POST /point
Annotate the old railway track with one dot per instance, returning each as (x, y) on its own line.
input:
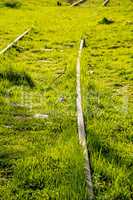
(80, 119)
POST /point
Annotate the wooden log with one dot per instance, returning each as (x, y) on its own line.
(81, 126)
(106, 2)
(14, 41)
(77, 3)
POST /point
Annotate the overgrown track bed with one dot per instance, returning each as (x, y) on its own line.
(40, 157)
(40, 154)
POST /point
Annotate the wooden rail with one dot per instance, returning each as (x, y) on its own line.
(81, 126)
(14, 41)
(106, 2)
(77, 3)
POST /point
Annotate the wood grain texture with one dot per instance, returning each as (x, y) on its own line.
(81, 127)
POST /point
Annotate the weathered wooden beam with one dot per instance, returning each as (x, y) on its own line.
(77, 3)
(14, 41)
(106, 2)
(81, 126)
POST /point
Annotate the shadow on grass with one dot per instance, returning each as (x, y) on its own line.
(104, 149)
(11, 3)
(17, 78)
(7, 164)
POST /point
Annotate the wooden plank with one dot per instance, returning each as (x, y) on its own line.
(106, 2)
(81, 126)
(77, 3)
(14, 41)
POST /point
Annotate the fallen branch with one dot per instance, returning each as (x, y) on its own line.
(15, 41)
(81, 126)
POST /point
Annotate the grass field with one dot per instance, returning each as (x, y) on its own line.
(40, 158)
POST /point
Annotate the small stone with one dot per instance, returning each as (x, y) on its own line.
(61, 99)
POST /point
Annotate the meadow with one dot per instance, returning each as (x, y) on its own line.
(40, 157)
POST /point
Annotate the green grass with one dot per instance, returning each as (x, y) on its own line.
(107, 77)
(41, 158)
